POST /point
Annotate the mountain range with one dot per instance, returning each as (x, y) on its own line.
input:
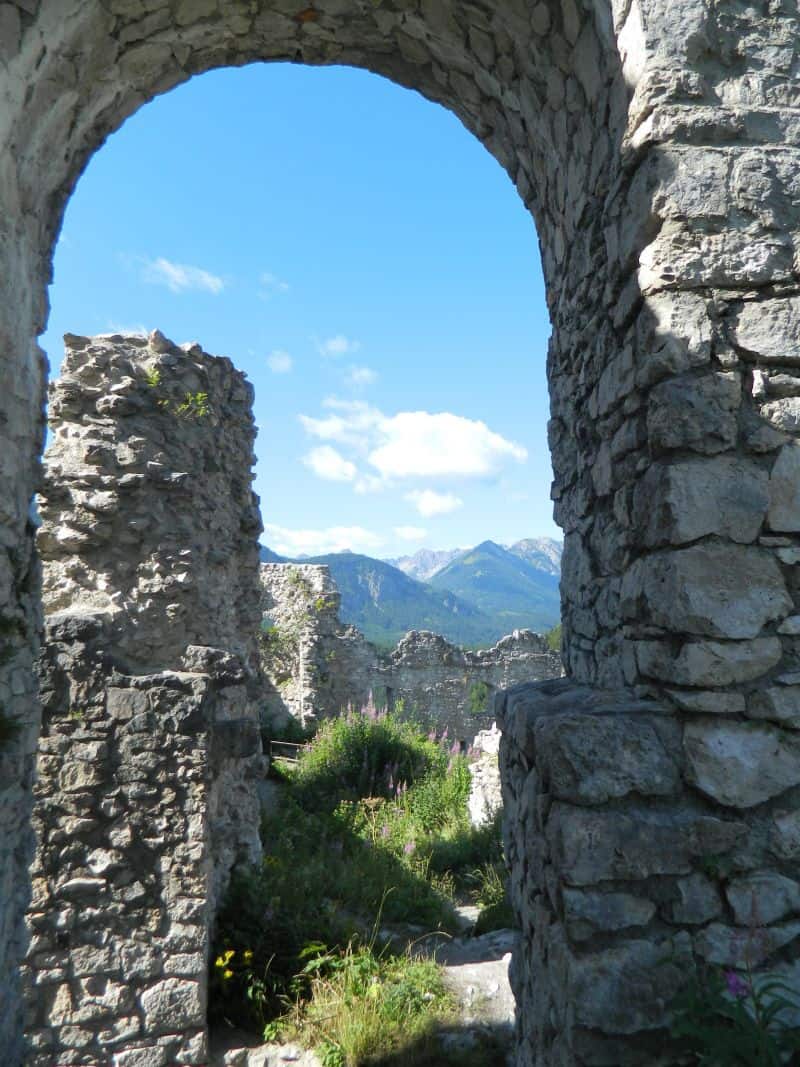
(470, 596)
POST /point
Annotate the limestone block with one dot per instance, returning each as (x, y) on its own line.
(714, 663)
(770, 329)
(784, 490)
(172, 1004)
(783, 414)
(695, 413)
(785, 835)
(589, 846)
(698, 901)
(781, 704)
(741, 764)
(708, 701)
(152, 1056)
(763, 897)
(728, 946)
(589, 759)
(588, 912)
(683, 501)
(700, 590)
(626, 988)
(673, 335)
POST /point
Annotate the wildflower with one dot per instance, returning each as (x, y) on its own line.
(736, 985)
(227, 973)
(384, 830)
(225, 958)
(248, 955)
(409, 847)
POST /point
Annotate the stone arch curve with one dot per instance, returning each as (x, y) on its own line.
(658, 155)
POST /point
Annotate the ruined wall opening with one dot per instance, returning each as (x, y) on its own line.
(660, 164)
(124, 376)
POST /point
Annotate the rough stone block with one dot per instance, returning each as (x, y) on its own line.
(675, 503)
(588, 759)
(697, 903)
(589, 846)
(770, 329)
(695, 413)
(709, 663)
(784, 490)
(699, 590)
(781, 704)
(741, 764)
(762, 898)
(173, 1004)
(587, 912)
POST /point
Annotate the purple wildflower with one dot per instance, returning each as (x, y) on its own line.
(384, 830)
(409, 847)
(736, 985)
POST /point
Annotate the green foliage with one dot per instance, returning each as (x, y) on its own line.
(193, 406)
(291, 730)
(553, 638)
(364, 1006)
(477, 697)
(730, 1019)
(373, 822)
(364, 755)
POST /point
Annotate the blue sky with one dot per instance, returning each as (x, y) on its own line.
(371, 268)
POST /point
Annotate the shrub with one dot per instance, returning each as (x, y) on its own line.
(365, 754)
(364, 1006)
(553, 638)
(477, 697)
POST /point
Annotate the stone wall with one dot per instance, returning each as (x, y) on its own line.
(314, 664)
(656, 145)
(641, 846)
(318, 666)
(150, 747)
(454, 688)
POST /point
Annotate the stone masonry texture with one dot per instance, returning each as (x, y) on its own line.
(656, 144)
(317, 666)
(150, 749)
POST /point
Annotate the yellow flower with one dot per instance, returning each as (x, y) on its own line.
(228, 973)
(248, 955)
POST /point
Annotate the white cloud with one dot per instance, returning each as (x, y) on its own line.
(271, 283)
(329, 464)
(279, 362)
(180, 277)
(428, 502)
(357, 377)
(410, 533)
(317, 542)
(420, 444)
(339, 345)
(415, 444)
(138, 330)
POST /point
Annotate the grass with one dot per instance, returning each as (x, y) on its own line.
(373, 828)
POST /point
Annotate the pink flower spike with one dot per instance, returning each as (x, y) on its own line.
(736, 985)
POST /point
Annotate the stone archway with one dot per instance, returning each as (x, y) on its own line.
(655, 144)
